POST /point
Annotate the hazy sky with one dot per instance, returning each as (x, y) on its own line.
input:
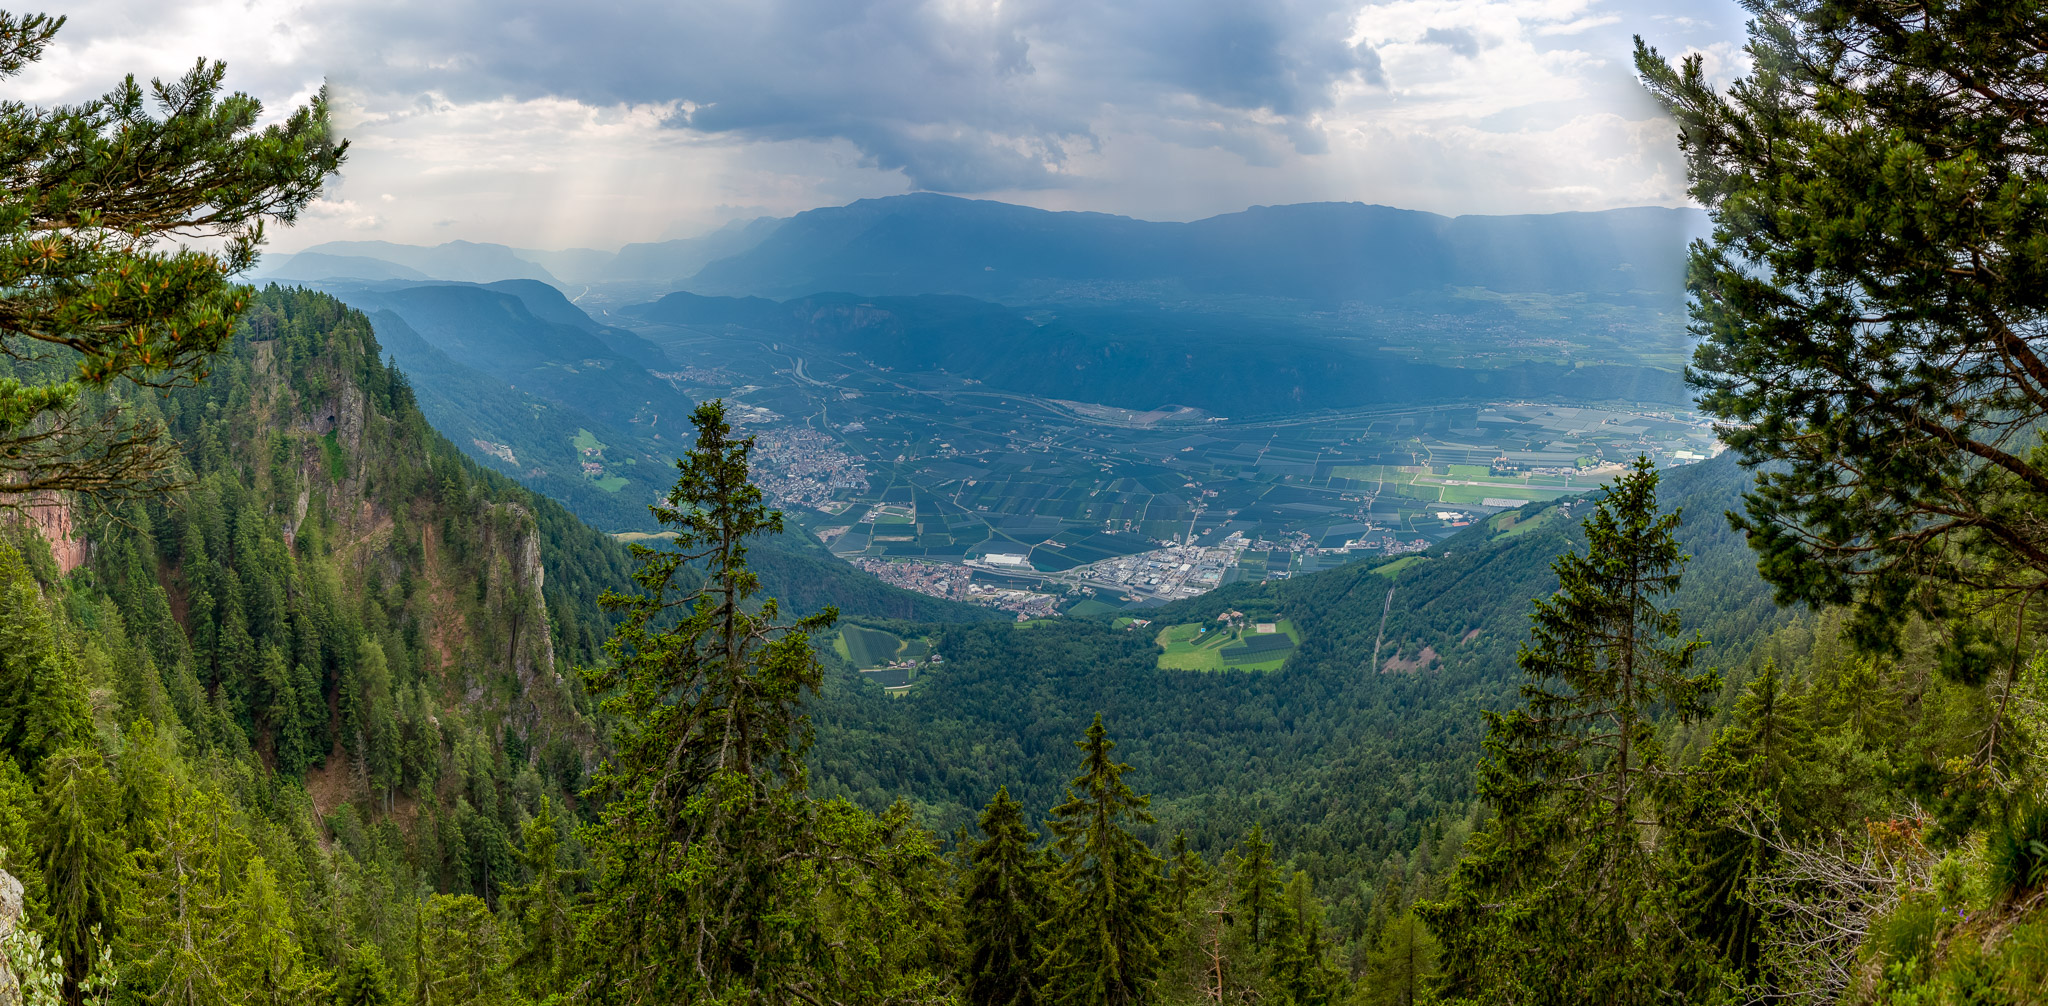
(556, 125)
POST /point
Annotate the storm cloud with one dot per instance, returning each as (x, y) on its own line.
(550, 124)
(962, 97)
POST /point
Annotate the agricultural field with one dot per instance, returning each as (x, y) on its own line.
(1193, 647)
(868, 648)
(951, 472)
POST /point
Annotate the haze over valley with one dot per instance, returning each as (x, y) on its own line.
(1039, 411)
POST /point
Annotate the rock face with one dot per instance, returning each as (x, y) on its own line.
(51, 515)
(10, 915)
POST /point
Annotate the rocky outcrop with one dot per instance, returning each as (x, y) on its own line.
(10, 916)
(52, 516)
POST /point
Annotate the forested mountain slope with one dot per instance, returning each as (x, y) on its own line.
(342, 628)
(1145, 358)
(1343, 764)
(538, 442)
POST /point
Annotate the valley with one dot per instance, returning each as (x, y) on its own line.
(935, 483)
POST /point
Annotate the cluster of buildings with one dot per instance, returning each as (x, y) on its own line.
(956, 583)
(800, 466)
(1169, 573)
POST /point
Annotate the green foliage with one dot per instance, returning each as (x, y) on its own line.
(1556, 899)
(42, 706)
(1256, 884)
(1402, 964)
(1109, 921)
(1003, 907)
(2017, 851)
(85, 870)
(1864, 302)
(364, 980)
(99, 203)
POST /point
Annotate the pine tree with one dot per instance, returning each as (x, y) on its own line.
(1868, 303)
(100, 203)
(1553, 901)
(705, 824)
(1111, 917)
(1005, 903)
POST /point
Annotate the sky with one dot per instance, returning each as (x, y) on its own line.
(597, 124)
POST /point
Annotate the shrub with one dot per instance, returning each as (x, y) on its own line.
(2018, 851)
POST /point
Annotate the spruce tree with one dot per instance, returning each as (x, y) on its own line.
(1190, 875)
(100, 203)
(364, 980)
(87, 872)
(543, 905)
(1400, 964)
(1256, 883)
(1553, 901)
(42, 702)
(1005, 903)
(705, 831)
(1298, 957)
(1111, 918)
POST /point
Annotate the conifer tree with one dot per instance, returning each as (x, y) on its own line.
(42, 703)
(701, 845)
(99, 206)
(1298, 960)
(543, 905)
(1256, 883)
(1111, 917)
(1190, 875)
(364, 980)
(1401, 963)
(1553, 901)
(87, 873)
(1005, 904)
(1869, 303)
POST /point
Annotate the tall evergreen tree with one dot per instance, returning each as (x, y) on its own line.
(1190, 875)
(1553, 901)
(1005, 904)
(705, 828)
(42, 703)
(542, 906)
(1111, 917)
(1400, 964)
(1256, 883)
(1298, 959)
(87, 872)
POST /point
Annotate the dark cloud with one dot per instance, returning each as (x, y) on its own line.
(960, 97)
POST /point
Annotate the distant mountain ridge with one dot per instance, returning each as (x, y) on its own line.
(661, 263)
(928, 243)
(1330, 252)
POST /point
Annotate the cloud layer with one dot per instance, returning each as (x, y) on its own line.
(545, 124)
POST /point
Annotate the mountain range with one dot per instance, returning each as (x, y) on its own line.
(925, 243)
